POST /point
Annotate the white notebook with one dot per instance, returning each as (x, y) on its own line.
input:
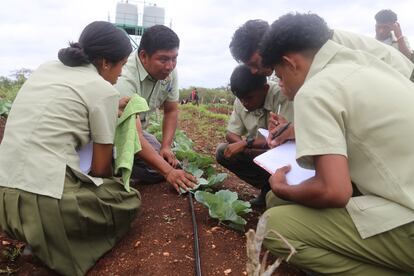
(281, 156)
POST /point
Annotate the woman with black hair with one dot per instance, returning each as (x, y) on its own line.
(69, 218)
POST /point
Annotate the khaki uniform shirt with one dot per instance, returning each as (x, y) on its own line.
(392, 41)
(355, 105)
(386, 53)
(244, 122)
(136, 80)
(57, 111)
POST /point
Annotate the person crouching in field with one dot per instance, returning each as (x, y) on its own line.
(256, 98)
(69, 218)
(353, 116)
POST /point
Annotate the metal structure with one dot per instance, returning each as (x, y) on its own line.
(133, 23)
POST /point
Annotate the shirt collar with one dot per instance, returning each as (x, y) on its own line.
(143, 74)
(322, 57)
(270, 94)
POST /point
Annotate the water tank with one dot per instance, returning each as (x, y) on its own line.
(126, 14)
(153, 15)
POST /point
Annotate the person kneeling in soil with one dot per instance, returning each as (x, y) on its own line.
(69, 218)
(356, 215)
(256, 98)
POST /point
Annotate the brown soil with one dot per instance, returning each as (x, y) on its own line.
(160, 241)
(2, 126)
(220, 110)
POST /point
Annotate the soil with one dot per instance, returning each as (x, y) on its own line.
(160, 241)
(220, 110)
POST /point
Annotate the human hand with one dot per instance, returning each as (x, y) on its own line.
(397, 30)
(180, 179)
(122, 104)
(278, 179)
(287, 134)
(169, 156)
(234, 148)
(275, 120)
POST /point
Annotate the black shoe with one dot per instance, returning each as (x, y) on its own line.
(259, 201)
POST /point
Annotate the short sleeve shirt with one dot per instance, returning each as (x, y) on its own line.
(354, 105)
(136, 80)
(243, 122)
(58, 110)
(386, 53)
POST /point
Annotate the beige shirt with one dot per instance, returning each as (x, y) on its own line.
(355, 105)
(244, 122)
(58, 110)
(386, 53)
(136, 80)
(392, 41)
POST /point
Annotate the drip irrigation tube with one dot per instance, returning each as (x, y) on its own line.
(195, 231)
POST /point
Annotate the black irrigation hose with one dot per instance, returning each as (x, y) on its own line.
(195, 231)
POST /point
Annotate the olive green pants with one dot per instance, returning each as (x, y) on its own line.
(69, 234)
(327, 242)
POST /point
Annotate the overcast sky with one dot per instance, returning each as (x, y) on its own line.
(32, 31)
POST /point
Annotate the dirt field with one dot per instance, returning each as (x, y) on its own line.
(160, 241)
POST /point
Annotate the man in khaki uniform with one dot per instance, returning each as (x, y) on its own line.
(150, 72)
(355, 216)
(388, 31)
(255, 100)
(245, 43)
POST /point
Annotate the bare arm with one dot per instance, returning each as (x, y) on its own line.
(101, 160)
(400, 40)
(330, 188)
(233, 137)
(237, 145)
(177, 178)
(169, 125)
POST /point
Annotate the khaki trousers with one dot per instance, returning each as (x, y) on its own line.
(327, 242)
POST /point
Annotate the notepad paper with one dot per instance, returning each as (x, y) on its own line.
(281, 156)
(263, 132)
(85, 158)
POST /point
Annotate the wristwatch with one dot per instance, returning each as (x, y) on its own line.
(249, 141)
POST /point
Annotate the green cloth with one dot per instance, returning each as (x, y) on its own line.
(70, 234)
(127, 142)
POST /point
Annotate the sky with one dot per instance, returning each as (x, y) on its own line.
(32, 31)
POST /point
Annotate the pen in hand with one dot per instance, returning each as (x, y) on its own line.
(280, 131)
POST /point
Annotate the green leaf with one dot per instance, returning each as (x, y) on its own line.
(225, 206)
(242, 207)
(216, 179)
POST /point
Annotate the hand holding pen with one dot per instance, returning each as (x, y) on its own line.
(280, 130)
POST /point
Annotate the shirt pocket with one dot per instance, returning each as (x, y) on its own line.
(369, 201)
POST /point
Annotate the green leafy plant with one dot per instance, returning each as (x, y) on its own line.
(5, 106)
(192, 162)
(225, 206)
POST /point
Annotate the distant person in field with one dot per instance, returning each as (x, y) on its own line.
(388, 31)
(194, 96)
(255, 99)
(150, 72)
(353, 116)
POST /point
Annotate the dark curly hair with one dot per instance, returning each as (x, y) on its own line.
(158, 37)
(246, 39)
(293, 32)
(242, 81)
(386, 17)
